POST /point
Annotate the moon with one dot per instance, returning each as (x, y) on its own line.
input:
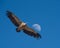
(36, 27)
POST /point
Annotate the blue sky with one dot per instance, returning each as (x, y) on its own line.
(43, 12)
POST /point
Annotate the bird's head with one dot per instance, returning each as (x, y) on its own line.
(23, 23)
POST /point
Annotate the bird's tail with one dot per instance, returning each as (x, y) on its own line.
(18, 30)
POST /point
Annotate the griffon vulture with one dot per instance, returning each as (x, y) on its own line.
(22, 26)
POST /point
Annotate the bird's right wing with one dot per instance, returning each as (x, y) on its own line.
(13, 18)
(31, 32)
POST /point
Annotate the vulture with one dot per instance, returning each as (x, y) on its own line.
(21, 25)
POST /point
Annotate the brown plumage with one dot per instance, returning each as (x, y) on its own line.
(22, 26)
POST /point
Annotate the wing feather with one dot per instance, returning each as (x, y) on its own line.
(31, 32)
(13, 18)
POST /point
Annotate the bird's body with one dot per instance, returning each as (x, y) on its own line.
(21, 25)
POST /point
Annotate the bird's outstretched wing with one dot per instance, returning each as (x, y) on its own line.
(31, 32)
(13, 18)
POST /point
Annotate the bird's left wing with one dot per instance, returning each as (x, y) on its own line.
(13, 18)
(31, 32)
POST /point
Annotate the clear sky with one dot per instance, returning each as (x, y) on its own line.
(43, 12)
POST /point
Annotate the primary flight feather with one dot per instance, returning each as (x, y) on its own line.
(22, 26)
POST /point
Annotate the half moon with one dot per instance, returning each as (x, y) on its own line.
(36, 27)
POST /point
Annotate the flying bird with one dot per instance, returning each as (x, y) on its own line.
(21, 25)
